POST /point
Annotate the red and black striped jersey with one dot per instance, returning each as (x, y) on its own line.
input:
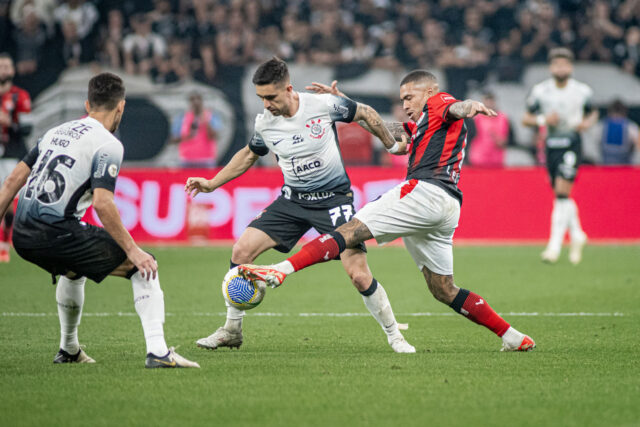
(438, 145)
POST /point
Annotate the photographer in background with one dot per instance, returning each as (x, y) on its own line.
(13, 102)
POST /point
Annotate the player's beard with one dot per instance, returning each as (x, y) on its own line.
(5, 79)
(561, 78)
(116, 123)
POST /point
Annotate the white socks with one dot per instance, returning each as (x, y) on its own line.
(563, 217)
(285, 266)
(512, 338)
(234, 319)
(149, 302)
(70, 298)
(575, 230)
(380, 307)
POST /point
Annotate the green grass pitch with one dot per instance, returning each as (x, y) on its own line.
(329, 370)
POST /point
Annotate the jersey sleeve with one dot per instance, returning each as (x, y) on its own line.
(106, 165)
(341, 109)
(31, 157)
(588, 102)
(258, 146)
(533, 102)
(441, 104)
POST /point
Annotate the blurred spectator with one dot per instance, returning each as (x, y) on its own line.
(13, 102)
(113, 36)
(270, 43)
(196, 132)
(84, 14)
(6, 27)
(142, 49)
(487, 149)
(619, 136)
(74, 52)
(627, 52)
(44, 10)
(30, 40)
(235, 44)
(360, 48)
(388, 51)
(327, 43)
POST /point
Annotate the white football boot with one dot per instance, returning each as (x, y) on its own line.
(513, 340)
(221, 338)
(79, 357)
(575, 250)
(550, 256)
(171, 360)
(400, 345)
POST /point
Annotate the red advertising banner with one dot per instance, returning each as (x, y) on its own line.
(500, 205)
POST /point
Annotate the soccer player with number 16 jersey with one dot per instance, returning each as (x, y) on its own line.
(423, 210)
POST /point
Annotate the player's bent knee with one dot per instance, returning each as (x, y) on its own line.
(242, 253)
(360, 279)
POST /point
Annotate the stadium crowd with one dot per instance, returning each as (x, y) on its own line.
(212, 41)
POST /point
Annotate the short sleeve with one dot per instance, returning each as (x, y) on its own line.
(341, 109)
(31, 157)
(257, 145)
(533, 104)
(588, 102)
(441, 103)
(106, 166)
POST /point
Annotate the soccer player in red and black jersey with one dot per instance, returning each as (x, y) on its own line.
(424, 209)
(13, 102)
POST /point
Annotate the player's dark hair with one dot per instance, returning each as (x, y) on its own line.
(560, 52)
(617, 107)
(105, 91)
(418, 76)
(271, 72)
(5, 55)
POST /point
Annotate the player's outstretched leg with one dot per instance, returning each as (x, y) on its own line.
(476, 309)
(148, 299)
(321, 249)
(70, 299)
(377, 302)
(229, 335)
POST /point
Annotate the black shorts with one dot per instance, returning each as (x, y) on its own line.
(72, 246)
(564, 162)
(286, 221)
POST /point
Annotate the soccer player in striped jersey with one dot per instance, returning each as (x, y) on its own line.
(424, 209)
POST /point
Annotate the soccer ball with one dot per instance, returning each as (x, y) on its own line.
(242, 293)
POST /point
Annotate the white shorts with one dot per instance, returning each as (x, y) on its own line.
(424, 215)
(6, 167)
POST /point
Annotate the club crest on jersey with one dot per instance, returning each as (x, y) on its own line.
(317, 131)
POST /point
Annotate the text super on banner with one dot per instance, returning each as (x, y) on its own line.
(502, 205)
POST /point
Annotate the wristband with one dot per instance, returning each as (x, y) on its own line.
(394, 149)
(541, 120)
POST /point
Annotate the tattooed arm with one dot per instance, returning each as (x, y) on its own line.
(467, 109)
(377, 127)
(396, 128)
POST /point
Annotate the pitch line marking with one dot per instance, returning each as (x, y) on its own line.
(271, 314)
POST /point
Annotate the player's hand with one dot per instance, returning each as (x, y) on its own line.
(145, 263)
(553, 119)
(403, 146)
(322, 88)
(5, 119)
(479, 108)
(196, 185)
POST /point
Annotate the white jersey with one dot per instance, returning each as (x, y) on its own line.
(569, 102)
(306, 146)
(68, 162)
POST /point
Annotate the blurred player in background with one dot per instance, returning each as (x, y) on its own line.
(13, 102)
(73, 166)
(562, 105)
(424, 210)
(300, 129)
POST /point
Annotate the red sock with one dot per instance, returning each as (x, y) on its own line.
(476, 309)
(321, 249)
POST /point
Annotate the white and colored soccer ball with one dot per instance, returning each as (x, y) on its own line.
(242, 293)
